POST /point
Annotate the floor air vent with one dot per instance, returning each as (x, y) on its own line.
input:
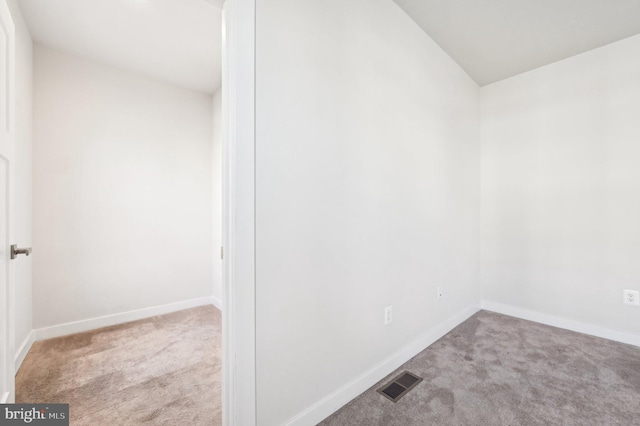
(399, 386)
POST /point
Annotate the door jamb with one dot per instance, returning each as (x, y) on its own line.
(238, 314)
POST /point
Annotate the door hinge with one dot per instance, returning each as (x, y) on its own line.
(221, 252)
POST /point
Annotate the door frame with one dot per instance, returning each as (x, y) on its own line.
(239, 406)
(238, 315)
(8, 322)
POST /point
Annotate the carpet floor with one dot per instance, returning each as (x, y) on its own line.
(498, 370)
(164, 370)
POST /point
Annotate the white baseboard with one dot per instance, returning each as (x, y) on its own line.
(23, 350)
(216, 302)
(108, 320)
(4, 398)
(567, 324)
(331, 403)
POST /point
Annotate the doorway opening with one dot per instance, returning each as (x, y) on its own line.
(126, 132)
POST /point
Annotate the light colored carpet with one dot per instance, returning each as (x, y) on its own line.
(498, 370)
(164, 370)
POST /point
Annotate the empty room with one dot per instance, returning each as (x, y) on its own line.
(118, 209)
(428, 211)
(451, 189)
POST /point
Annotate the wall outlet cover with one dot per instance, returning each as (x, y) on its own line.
(631, 297)
(388, 315)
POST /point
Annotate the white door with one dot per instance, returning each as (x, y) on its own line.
(7, 114)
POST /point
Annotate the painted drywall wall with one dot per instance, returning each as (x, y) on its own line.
(367, 193)
(23, 180)
(122, 191)
(561, 188)
(216, 180)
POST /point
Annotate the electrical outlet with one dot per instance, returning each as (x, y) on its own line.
(631, 297)
(388, 312)
(440, 294)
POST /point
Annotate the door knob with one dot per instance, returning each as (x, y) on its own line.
(15, 251)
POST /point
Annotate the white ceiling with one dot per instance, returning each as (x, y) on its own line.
(177, 41)
(495, 39)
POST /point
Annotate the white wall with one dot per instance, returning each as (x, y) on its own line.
(561, 188)
(216, 169)
(23, 179)
(122, 191)
(367, 174)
